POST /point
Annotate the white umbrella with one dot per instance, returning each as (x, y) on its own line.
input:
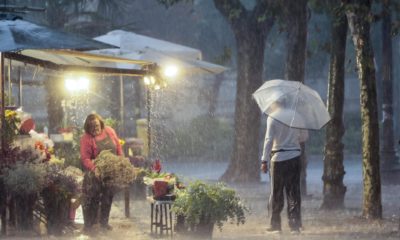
(292, 103)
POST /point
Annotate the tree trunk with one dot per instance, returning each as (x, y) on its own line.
(247, 114)
(334, 189)
(24, 211)
(358, 17)
(56, 205)
(296, 41)
(388, 153)
(251, 29)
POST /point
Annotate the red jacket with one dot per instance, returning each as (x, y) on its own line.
(89, 149)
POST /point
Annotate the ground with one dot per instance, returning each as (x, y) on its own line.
(318, 224)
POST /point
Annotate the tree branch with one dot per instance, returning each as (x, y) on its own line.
(235, 12)
(232, 10)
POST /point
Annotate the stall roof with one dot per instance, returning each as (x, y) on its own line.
(134, 42)
(163, 59)
(69, 60)
(18, 34)
(135, 46)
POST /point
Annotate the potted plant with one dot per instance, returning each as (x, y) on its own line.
(200, 206)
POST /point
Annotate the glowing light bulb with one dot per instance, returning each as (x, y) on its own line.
(171, 71)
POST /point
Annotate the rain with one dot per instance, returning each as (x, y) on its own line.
(175, 80)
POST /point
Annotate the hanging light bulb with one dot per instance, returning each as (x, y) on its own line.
(146, 80)
(170, 71)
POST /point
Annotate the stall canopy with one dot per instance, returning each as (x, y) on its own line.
(19, 34)
(136, 46)
(130, 41)
(69, 60)
(50, 48)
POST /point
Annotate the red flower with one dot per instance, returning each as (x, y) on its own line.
(156, 166)
(39, 145)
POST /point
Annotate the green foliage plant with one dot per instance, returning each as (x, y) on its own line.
(200, 203)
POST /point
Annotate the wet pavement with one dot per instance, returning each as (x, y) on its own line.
(318, 224)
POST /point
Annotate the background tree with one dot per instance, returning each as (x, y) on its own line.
(333, 187)
(388, 153)
(359, 17)
(250, 28)
(296, 42)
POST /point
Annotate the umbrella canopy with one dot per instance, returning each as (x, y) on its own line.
(292, 103)
(19, 34)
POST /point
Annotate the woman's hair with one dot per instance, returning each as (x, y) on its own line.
(89, 119)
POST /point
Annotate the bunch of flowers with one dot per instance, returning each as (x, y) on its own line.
(24, 171)
(12, 122)
(23, 175)
(10, 155)
(62, 185)
(43, 144)
(25, 178)
(45, 151)
(115, 171)
(61, 182)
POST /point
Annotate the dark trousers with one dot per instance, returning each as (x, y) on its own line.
(285, 176)
(95, 195)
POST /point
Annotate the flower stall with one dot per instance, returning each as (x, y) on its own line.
(38, 164)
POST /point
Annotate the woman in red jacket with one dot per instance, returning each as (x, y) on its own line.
(97, 137)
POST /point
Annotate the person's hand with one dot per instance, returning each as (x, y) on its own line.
(264, 167)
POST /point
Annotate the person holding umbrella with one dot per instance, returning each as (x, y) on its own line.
(291, 108)
(281, 152)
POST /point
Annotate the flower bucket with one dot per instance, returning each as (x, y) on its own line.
(24, 211)
(56, 210)
(160, 189)
(203, 230)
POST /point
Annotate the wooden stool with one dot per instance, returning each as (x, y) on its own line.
(160, 216)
